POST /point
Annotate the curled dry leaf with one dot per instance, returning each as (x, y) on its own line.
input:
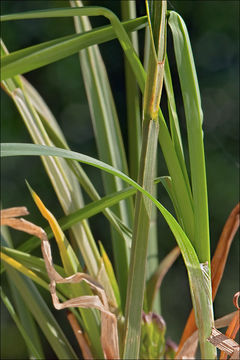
(217, 267)
(224, 343)
(10, 218)
(236, 300)
(109, 334)
(233, 327)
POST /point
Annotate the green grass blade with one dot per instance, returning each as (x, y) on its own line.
(184, 199)
(34, 351)
(180, 189)
(143, 207)
(60, 176)
(89, 210)
(42, 315)
(109, 141)
(22, 316)
(37, 56)
(27, 321)
(86, 212)
(128, 10)
(31, 262)
(153, 284)
(194, 119)
(24, 270)
(199, 295)
(174, 124)
(111, 274)
(198, 291)
(58, 140)
(18, 149)
(70, 199)
(168, 185)
(34, 268)
(142, 218)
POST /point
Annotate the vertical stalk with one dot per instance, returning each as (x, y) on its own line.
(152, 260)
(137, 272)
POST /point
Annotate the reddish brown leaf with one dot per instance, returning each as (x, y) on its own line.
(83, 344)
(233, 327)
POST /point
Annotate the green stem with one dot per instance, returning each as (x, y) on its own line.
(136, 281)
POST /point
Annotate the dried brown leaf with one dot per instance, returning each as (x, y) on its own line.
(233, 327)
(225, 320)
(109, 333)
(224, 343)
(236, 300)
(9, 218)
(83, 344)
(13, 212)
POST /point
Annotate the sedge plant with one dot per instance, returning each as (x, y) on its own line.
(112, 303)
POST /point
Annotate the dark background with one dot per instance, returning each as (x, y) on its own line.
(214, 33)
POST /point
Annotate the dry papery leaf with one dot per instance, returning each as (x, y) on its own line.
(10, 218)
(189, 348)
(217, 267)
(224, 343)
(109, 334)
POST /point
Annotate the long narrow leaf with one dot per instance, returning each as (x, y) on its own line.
(22, 61)
(32, 267)
(155, 281)
(174, 124)
(200, 296)
(85, 11)
(66, 187)
(42, 315)
(164, 136)
(89, 210)
(57, 139)
(147, 170)
(22, 316)
(108, 138)
(28, 340)
(194, 118)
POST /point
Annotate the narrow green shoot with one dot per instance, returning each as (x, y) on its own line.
(142, 216)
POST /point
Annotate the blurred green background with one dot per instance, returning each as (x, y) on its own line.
(214, 33)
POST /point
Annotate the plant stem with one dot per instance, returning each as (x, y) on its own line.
(136, 281)
(143, 213)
